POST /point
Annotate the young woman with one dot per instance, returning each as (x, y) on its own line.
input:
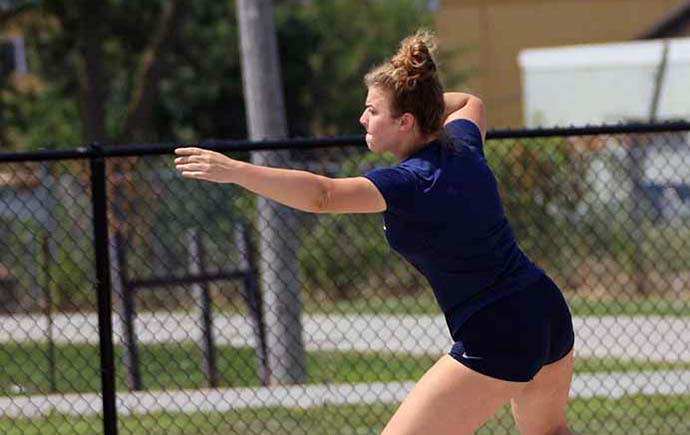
(511, 326)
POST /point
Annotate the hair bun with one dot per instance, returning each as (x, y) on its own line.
(414, 61)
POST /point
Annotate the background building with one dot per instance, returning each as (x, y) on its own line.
(616, 82)
(491, 33)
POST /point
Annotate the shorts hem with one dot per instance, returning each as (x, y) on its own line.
(560, 357)
(508, 378)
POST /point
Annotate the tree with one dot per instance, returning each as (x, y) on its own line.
(106, 57)
(169, 70)
(327, 46)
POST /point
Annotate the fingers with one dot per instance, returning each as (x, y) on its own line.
(189, 151)
(194, 163)
(192, 174)
(188, 159)
(191, 166)
(204, 157)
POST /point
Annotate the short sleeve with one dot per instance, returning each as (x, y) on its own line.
(397, 185)
(465, 131)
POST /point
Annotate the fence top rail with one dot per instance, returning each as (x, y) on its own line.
(96, 151)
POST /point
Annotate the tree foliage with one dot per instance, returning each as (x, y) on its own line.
(118, 71)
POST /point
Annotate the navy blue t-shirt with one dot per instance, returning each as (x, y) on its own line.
(444, 215)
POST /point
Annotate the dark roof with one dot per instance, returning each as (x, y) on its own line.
(671, 25)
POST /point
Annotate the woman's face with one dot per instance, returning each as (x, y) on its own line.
(383, 130)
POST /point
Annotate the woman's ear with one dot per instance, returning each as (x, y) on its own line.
(406, 121)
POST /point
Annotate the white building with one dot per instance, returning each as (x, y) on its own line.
(605, 83)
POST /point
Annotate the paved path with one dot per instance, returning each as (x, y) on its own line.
(612, 386)
(641, 338)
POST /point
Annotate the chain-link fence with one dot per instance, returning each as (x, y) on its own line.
(232, 315)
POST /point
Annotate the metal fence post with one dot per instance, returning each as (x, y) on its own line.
(203, 300)
(124, 304)
(47, 249)
(99, 203)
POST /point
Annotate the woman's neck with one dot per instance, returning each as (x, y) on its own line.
(416, 143)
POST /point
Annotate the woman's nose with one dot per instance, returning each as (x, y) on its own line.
(363, 120)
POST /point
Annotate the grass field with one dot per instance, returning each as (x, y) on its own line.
(165, 367)
(643, 415)
(179, 367)
(24, 370)
(424, 303)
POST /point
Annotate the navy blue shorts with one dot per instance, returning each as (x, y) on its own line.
(512, 338)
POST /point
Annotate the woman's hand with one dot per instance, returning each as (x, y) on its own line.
(207, 165)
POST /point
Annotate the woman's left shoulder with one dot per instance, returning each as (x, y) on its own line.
(465, 131)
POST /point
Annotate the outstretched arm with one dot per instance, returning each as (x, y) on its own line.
(297, 189)
(464, 106)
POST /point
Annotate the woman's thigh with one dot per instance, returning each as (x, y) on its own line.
(540, 407)
(450, 399)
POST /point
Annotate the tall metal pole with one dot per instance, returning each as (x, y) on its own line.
(263, 96)
(105, 321)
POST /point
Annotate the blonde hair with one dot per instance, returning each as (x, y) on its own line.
(411, 80)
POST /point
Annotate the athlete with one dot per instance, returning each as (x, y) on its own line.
(511, 327)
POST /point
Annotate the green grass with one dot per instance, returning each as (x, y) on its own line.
(611, 365)
(166, 367)
(642, 415)
(424, 303)
(178, 366)
(652, 306)
(648, 415)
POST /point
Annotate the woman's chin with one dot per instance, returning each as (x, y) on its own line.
(371, 144)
